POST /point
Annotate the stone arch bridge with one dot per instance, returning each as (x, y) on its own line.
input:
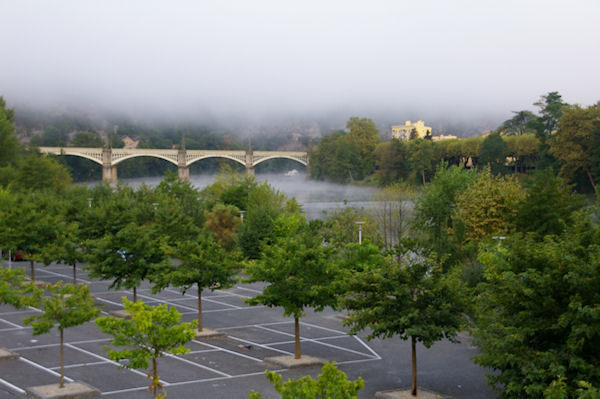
(109, 158)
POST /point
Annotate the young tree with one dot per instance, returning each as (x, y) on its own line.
(330, 384)
(15, 291)
(421, 157)
(67, 306)
(203, 263)
(9, 144)
(151, 332)
(223, 221)
(299, 270)
(392, 214)
(407, 295)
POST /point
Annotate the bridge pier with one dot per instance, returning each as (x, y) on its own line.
(109, 171)
(183, 170)
(249, 163)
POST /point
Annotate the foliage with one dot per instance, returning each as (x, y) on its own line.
(573, 145)
(493, 152)
(129, 256)
(202, 262)
(391, 160)
(407, 295)
(435, 208)
(298, 269)
(392, 214)
(421, 158)
(35, 172)
(538, 314)
(340, 227)
(9, 144)
(67, 306)
(522, 122)
(15, 291)
(548, 206)
(223, 221)
(488, 206)
(330, 384)
(149, 334)
(87, 139)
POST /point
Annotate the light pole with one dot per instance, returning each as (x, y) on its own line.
(242, 216)
(359, 231)
(89, 202)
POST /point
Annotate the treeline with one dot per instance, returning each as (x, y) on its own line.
(562, 136)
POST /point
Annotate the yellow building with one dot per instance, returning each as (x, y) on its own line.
(404, 132)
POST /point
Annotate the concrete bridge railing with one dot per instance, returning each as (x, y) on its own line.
(109, 158)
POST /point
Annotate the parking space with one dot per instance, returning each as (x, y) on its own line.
(235, 360)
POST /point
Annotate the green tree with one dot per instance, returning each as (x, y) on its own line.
(37, 172)
(203, 263)
(151, 332)
(493, 152)
(421, 158)
(364, 134)
(299, 272)
(9, 144)
(538, 319)
(407, 295)
(223, 221)
(54, 137)
(330, 384)
(87, 139)
(522, 122)
(67, 306)
(548, 206)
(392, 214)
(391, 161)
(129, 256)
(15, 291)
(573, 145)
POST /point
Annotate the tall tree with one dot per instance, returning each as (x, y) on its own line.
(421, 158)
(299, 272)
(522, 122)
(391, 162)
(573, 145)
(407, 295)
(493, 152)
(203, 263)
(9, 144)
(87, 139)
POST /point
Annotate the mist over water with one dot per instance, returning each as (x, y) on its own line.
(316, 197)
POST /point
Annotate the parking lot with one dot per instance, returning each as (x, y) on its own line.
(229, 366)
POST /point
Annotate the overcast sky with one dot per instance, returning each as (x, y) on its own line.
(414, 59)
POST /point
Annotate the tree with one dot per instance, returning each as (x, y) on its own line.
(129, 256)
(299, 272)
(493, 152)
(407, 295)
(223, 221)
(340, 227)
(54, 137)
(87, 139)
(488, 206)
(573, 145)
(435, 209)
(330, 384)
(363, 132)
(67, 306)
(203, 263)
(392, 214)
(522, 122)
(149, 334)
(9, 144)
(39, 172)
(421, 157)
(548, 206)
(538, 319)
(391, 161)
(15, 291)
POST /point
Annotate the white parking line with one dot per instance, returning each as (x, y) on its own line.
(39, 366)
(228, 351)
(11, 386)
(197, 365)
(61, 275)
(11, 323)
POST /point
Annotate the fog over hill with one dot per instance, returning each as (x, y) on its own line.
(268, 66)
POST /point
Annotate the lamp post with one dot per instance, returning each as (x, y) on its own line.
(359, 231)
(89, 200)
(242, 216)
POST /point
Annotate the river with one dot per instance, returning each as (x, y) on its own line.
(316, 197)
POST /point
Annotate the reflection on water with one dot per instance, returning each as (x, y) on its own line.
(315, 197)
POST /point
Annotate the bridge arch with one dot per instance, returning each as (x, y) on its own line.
(130, 156)
(216, 156)
(281, 157)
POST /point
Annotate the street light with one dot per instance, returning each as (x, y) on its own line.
(242, 216)
(359, 231)
(89, 202)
